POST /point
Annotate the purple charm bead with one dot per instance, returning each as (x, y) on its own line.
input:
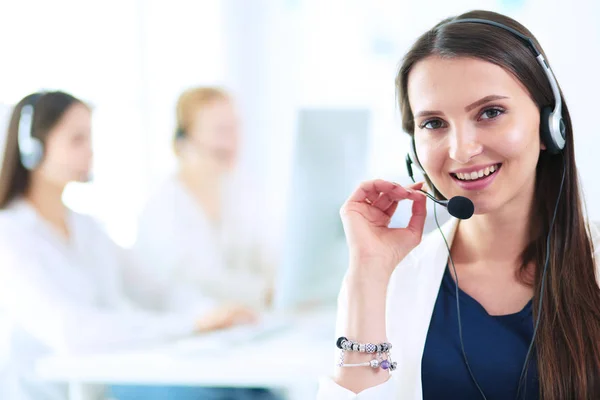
(385, 364)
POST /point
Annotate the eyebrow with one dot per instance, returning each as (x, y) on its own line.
(480, 102)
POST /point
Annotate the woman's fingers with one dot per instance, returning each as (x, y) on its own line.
(370, 192)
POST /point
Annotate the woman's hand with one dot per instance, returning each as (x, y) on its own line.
(366, 216)
(224, 317)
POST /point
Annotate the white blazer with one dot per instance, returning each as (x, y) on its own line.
(177, 244)
(66, 296)
(412, 293)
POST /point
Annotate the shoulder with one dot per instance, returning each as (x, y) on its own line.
(17, 218)
(86, 223)
(164, 200)
(7, 220)
(162, 216)
(91, 235)
(166, 195)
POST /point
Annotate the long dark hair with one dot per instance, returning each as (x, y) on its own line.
(568, 339)
(49, 108)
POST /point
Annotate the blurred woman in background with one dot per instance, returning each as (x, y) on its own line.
(194, 231)
(60, 276)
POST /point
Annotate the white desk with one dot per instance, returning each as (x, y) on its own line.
(294, 359)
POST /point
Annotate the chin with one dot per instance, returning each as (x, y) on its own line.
(228, 168)
(83, 177)
(485, 206)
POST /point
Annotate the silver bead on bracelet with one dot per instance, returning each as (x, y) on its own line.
(348, 345)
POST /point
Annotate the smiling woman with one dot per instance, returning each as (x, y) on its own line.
(487, 122)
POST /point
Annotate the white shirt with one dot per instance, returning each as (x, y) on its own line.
(65, 296)
(412, 292)
(176, 243)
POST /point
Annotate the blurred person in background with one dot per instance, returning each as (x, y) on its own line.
(197, 231)
(196, 234)
(60, 275)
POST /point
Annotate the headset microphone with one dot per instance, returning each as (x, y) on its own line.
(458, 206)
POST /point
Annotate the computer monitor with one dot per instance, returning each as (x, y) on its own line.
(330, 160)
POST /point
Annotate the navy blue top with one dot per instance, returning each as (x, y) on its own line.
(495, 346)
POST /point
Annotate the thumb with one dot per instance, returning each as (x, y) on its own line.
(416, 186)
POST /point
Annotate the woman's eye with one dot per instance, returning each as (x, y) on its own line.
(491, 113)
(432, 124)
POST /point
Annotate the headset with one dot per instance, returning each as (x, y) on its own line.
(553, 136)
(179, 133)
(31, 149)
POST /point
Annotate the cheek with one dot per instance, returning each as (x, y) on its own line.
(64, 161)
(431, 154)
(516, 141)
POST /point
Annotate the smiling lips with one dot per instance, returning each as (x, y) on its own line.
(476, 179)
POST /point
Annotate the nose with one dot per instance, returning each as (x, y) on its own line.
(464, 144)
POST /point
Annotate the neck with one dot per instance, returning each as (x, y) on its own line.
(200, 180)
(205, 187)
(46, 198)
(499, 237)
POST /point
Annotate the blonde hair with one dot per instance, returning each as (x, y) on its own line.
(190, 101)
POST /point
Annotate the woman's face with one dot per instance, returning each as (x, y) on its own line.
(476, 131)
(68, 147)
(214, 135)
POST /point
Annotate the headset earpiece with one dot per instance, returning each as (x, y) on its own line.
(552, 127)
(552, 131)
(31, 149)
(179, 133)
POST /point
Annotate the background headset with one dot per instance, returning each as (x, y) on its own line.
(553, 135)
(31, 149)
(179, 133)
(552, 126)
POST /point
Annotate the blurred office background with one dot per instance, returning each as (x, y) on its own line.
(313, 79)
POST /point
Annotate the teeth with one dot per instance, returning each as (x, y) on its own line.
(477, 174)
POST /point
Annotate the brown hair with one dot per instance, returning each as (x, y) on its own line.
(568, 339)
(49, 107)
(191, 101)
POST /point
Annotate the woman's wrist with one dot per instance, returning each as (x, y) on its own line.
(368, 273)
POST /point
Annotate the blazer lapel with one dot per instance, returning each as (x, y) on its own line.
(413, 293)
